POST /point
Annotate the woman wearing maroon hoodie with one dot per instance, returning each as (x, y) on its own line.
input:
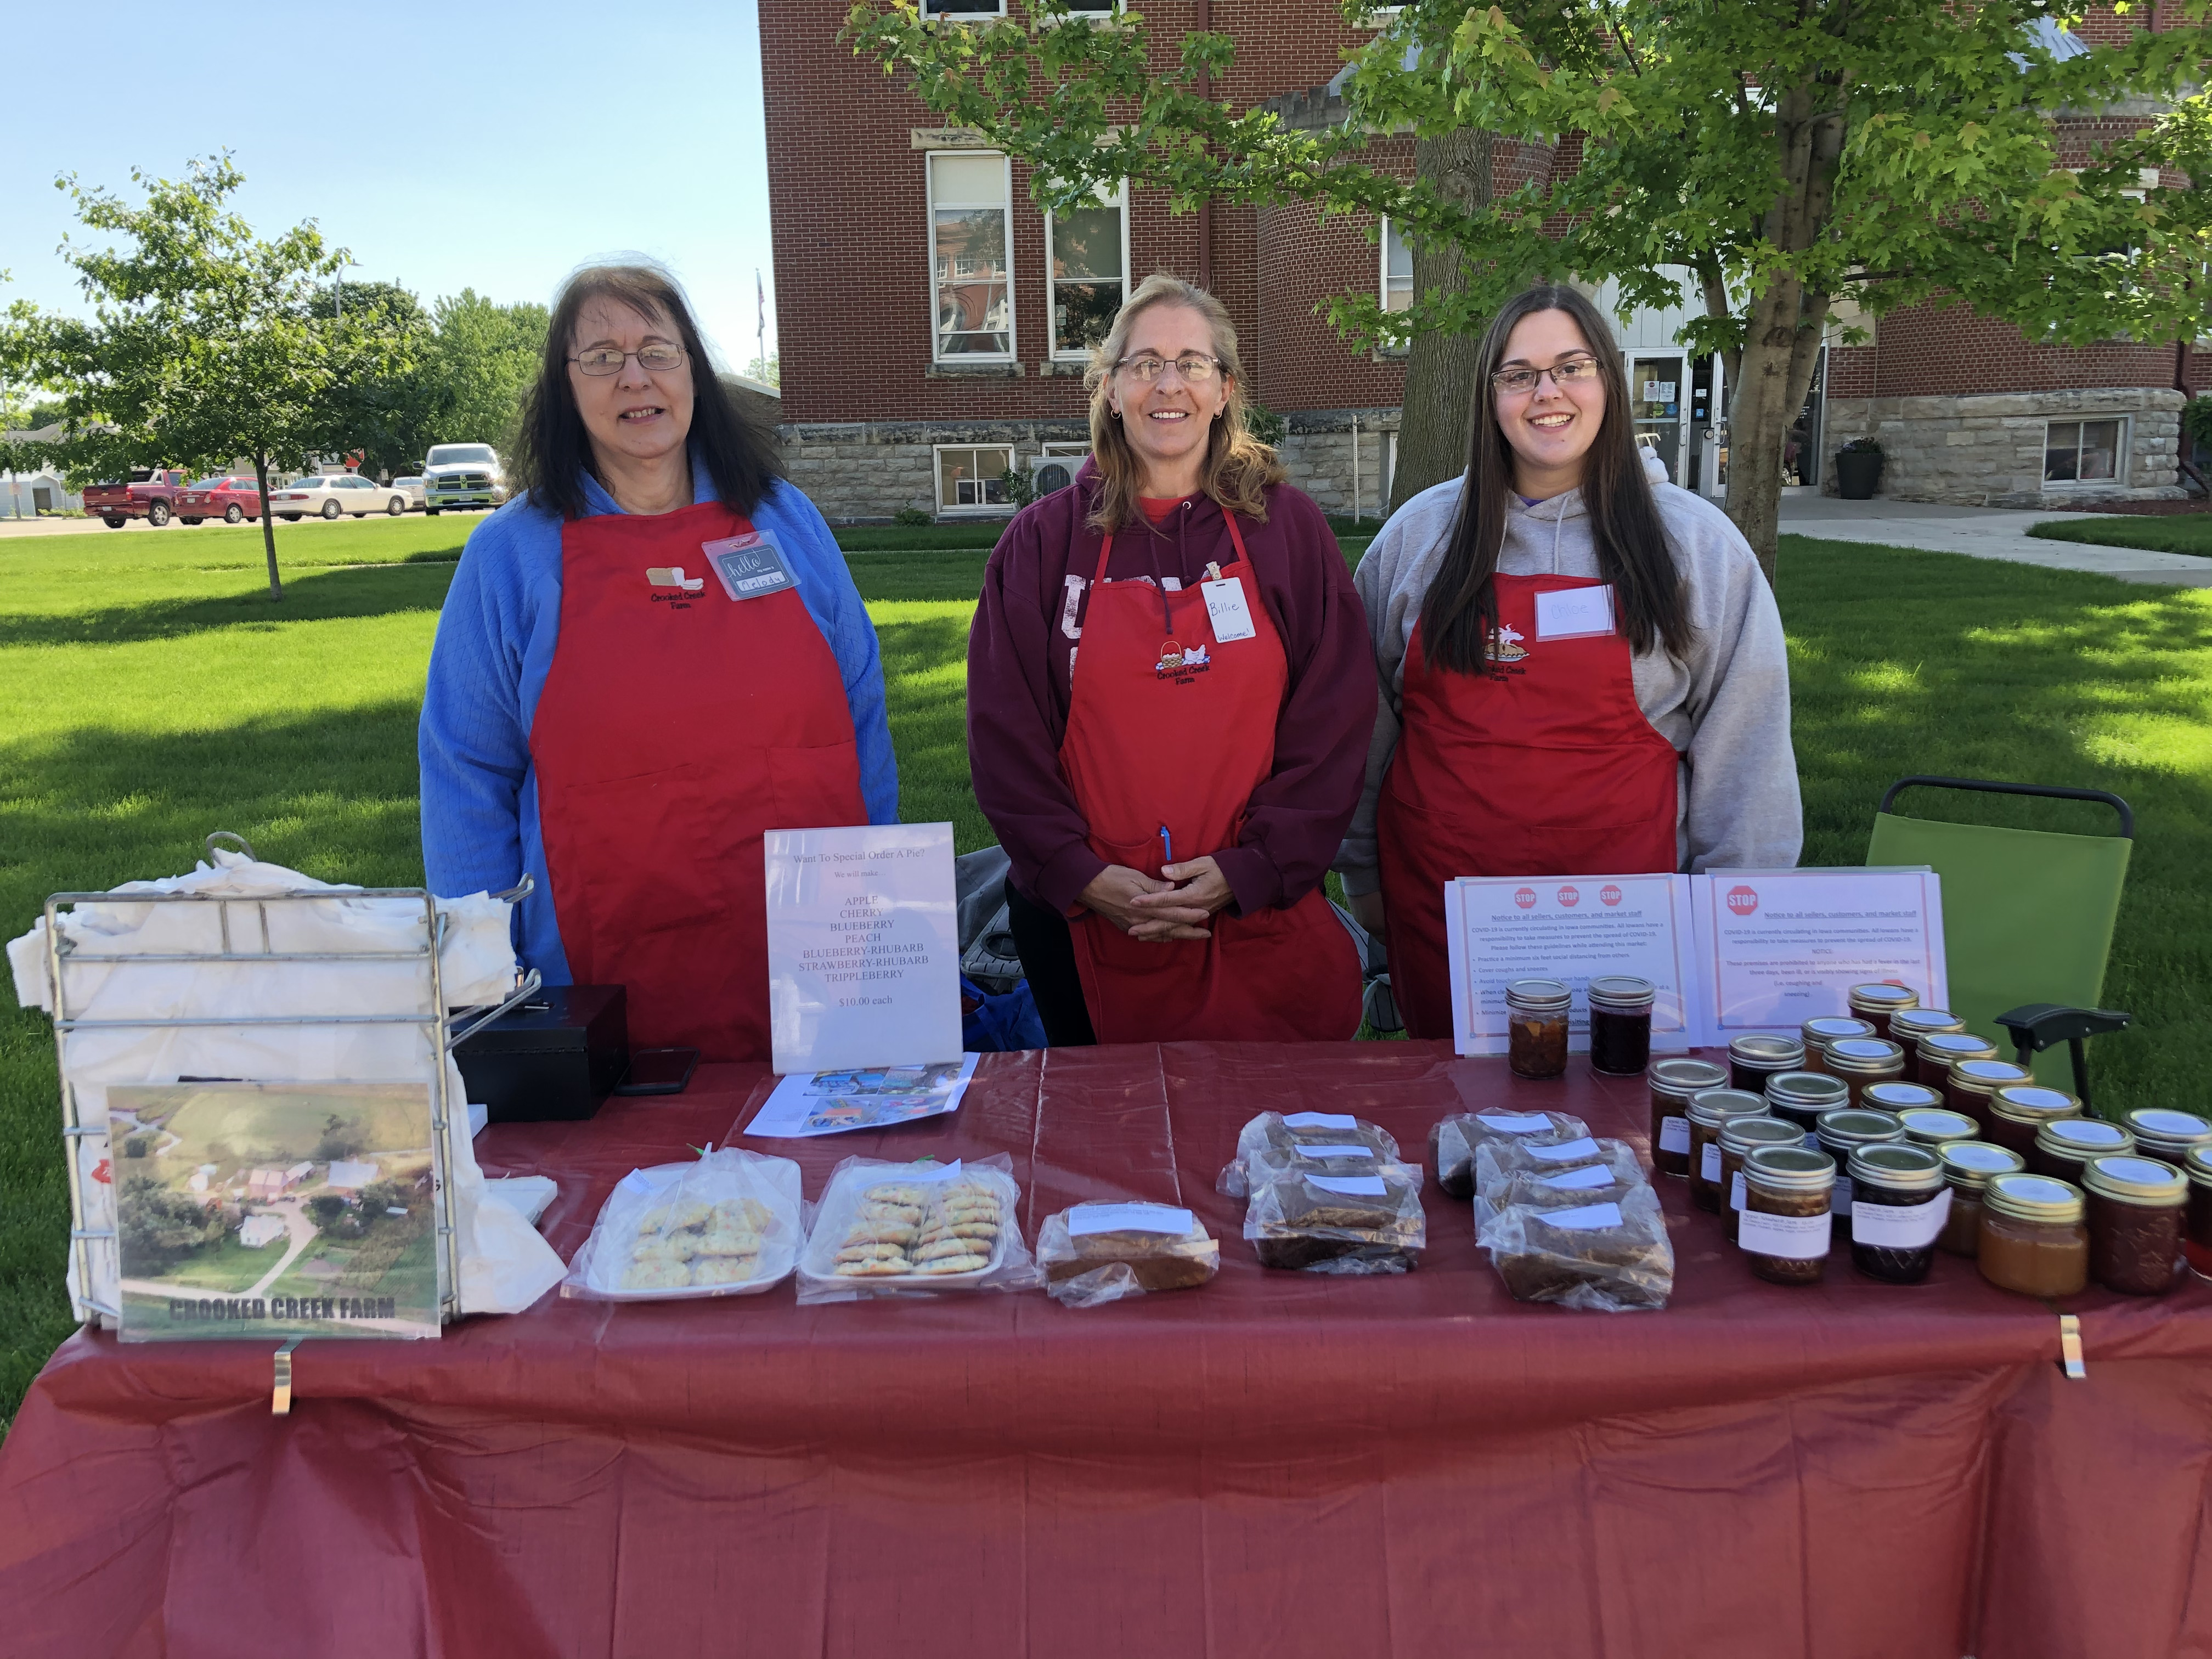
(1169, 811)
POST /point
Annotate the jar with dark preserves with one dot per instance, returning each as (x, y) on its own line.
(1754, 1057)
(2162, 1132)
(1710, 1111)
(1875, 1003)
(1898, 1098)
(1620, 1023)
(2136, 1207)
(2019, 1110)
(1907, 1026)
(1536, 1027)
(1862, 1060)
(1739, 1135)
(2197, 1242)
(1673, 1083)
(1818, 1034)
(1899, 1206)
(2064, 1144)
(1800, 1097)
(1969, 1083)
(1932, 1057)
(2033, 1238)
(1785, 1225)
(1841, 1133)
(1967, 1166)
(1932, 1126)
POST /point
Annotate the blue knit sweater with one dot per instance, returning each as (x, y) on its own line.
(497, 637)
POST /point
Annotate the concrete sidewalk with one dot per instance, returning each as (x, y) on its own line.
(1982, 532)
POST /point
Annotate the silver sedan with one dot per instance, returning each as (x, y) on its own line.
(333, 495)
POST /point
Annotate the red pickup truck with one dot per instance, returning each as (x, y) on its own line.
(151, 494)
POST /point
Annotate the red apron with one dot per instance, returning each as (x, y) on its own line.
(1168, 727)
(677, 725)
(1542, 765)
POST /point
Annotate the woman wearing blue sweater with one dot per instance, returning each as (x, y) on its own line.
(646, 660)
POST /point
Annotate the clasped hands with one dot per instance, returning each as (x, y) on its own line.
(1159, 912)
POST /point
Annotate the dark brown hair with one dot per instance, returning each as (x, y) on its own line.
(1461, 612)
(553, 450)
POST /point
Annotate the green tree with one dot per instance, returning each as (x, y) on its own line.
(768, 370)
(205, 342)
(157, 1227)
(1797, 156)
(341, 1138)
(380, 416)
(480, 361)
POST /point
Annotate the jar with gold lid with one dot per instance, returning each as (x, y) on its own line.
(2065, 1143)
(1841, 1133)
(1673, 1084)
(1862, 1060)
(1620, 1023)
(1740, 1136)
(2162, 1132)
(1932, 1055)
(2018, 1112)
(1536, 1011)
(1967, 1165)
(1899, 1206)
(2136, 1207)
(1784, 1225)
(1754, 1057)
(2196, 1243)
(1710, 1111)
(1876, 1002)
(1898, 1098)
(1937, 1126)
(1969, 1083)
(2034, 1239)
(1818, 1034)
(1908, 1026)
(1800, 1097)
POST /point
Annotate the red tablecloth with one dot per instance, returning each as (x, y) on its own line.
(1277, 1464)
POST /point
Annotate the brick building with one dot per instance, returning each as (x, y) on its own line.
(933, 323)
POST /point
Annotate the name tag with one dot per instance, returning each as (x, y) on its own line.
(1574, 613)
(751, 566)
(1225, 607)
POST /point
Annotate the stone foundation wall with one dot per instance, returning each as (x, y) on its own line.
(1318, 450)
(1987, 449)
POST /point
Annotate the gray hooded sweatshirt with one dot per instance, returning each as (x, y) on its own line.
(1726, 709)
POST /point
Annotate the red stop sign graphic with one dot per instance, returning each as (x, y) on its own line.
(1568, 897)
(1526, 898)
(1743, 901)
(1608, 894)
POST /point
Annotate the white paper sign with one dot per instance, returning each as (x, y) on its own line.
(1791, 1237)
(1569, 928)
(1900, 1226)
(1514, 1123)
(1778, 947)
(1351, 1186)
(1087, 1218)
(1591, 1215)
(1574, 613)
(1572, 1150)
(1596, 1175)
(863, 947)
(1227, 609)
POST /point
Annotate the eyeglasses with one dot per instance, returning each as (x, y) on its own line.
(657, 358)
(1195, 369)
(1568, 371)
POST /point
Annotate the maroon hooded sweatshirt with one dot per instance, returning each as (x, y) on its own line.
(1023, 642)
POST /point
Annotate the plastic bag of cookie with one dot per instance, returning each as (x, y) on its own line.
(919, 1229)
(1320, 1143)
(1609, 1255)
(729, 1224)
(1100, 1252)
(1359, 1224)
(1452, 1140)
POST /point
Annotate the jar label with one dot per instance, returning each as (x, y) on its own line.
(1839, 1200)
(1573, 1151)
(1709, 1166)
(1336, 1152)
(1791, 1237)
(1674, 1134)
(1591, 1215)
(1900, 1226)
(1736, 1190)
(1590, 1175)
(1514, 1123)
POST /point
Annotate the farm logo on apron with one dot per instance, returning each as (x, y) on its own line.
(1506, 644)
(1181, 665)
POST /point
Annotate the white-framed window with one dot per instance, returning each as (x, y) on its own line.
(1086, 261)
(1397, 269)
(969, 478)
(2084, 452)
(971, 258)
(964, 9)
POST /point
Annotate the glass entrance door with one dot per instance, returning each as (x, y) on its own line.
(1658, 397)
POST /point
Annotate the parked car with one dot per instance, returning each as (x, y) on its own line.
(232, 499)
(411, 487)
(150, 494)
(333, 495)
(462, 475)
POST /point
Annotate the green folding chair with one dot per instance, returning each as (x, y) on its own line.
(2028, 916)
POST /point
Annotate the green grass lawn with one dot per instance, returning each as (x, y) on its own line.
(152, 692)
(2184, 533)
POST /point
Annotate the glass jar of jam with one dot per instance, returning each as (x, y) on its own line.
(1933, 1056)
(1933, 1126)
(1800, 1097)
(1710, 1111)
(1907, 1026)
(2018, 1112)
(2197, 1242)
(2033, 1238)
(1785, 1225)
(1862, 1060)
(1842, 1133)
(1739, 1135)
(1898, 1098)
(1899, 1206)
(2137, 1209)
(1967, 1165)
(1536, 1027)
(2064, 1144)
(1818, 1034)
(1620, 1023)
(1674, 1084)
(1755, 1058)
(2162, 1132)
(1968, 1085)
(1875, 1003)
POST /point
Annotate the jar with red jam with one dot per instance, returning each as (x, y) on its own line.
(1818, 1034)
(1969, 1083)
(2032, 1239)
(1933, 1126)
(1967, 1167)
(1784, 1226)
(2018, 1112)
(2064, 1144)
(1674, 1084)
(1875, 1003)
(1755, 1057)
(1536, 1011)
(1929, 1060)
(1620, 1023)
(2162, 1132)
(1710, 1112)
(2196, 1243)
(1860, 1060)
(2137, 1207)
(1843, 1133)
(1742, 1135)
(1800, 1097)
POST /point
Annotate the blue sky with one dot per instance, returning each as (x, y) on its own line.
(493, 146)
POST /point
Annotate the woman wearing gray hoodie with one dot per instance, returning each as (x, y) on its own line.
(1583, 670)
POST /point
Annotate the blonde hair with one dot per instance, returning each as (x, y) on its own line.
(1239, 468)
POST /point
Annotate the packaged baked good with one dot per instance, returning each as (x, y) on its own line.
(725, 1225)
(915, 1229)
(1369, 1223)
(1497, 1161)
(1452, 1140)
(1609, 1256)
(1587, 1183)
(1097, 1252)
(1326, 1143)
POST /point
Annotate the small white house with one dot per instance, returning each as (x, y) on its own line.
(258, 1232)
(27, 494)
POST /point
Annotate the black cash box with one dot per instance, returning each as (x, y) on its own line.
(555, 1057)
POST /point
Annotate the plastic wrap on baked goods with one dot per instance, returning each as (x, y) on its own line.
(1452, 1140)
(1369, 1223)
(1099, 1252)
(1274, 1144)
(727, 1224)
(1611, 1256)
(924, 1228)
(1498, 1161)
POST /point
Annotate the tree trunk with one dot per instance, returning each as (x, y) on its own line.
(268, 523)
(1432, 431)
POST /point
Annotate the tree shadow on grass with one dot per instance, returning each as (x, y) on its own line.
(926, 684)
(317, 596)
